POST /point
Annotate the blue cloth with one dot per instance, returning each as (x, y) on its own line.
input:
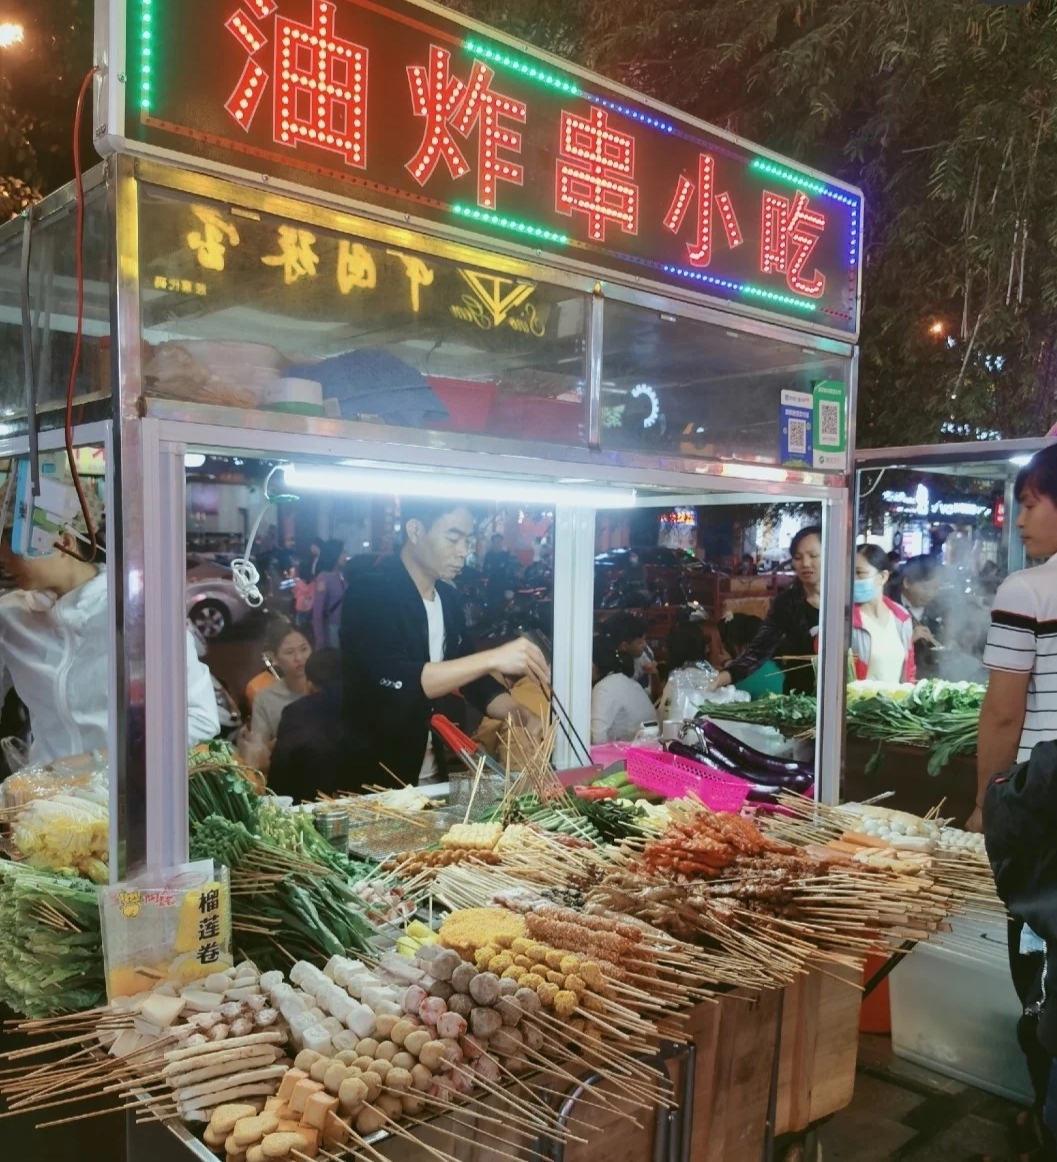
(371, 382)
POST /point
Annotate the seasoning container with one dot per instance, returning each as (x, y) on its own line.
(333, 825)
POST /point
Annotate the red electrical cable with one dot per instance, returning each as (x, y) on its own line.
(75, 365)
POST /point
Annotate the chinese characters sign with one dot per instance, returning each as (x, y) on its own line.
(391, 104)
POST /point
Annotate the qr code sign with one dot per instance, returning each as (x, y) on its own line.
(798, 437)
(829, 424)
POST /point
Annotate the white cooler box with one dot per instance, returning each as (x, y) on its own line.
(955, 1011)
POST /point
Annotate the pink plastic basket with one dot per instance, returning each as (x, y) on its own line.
(674, 777)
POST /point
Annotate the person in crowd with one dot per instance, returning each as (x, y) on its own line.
(1020, 707)
(499, 571)
(916, 589)
(790, 633)
(289, 650)
(688, 643)
(738, 631)
(619, 705)
(747, 568)
(314, 551)
(54, 651)
(405, 646)
(629, 632)
(329, 595)
(881, 631)
(304, 594)
(309, 754)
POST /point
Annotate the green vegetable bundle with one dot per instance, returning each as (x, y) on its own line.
(600, 821)
(793, 714)
(51, 953)
(283, 904)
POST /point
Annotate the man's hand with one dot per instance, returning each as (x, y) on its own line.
(648, 667)
(719, 681)
(922, 633)
(975, 822)
(522, 659)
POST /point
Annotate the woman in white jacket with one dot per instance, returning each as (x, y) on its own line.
(54, 632)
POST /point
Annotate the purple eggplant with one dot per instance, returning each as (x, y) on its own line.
(752, 763)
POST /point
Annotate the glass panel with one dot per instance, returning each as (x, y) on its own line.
(11, 367)
(309, 552)
(391, 335)
(680, 593)
(53, 298)
(681, 387)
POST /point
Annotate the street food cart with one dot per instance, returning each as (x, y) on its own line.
(399, 253)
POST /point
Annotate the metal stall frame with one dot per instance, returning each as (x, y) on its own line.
(150, 437)
(946, 457)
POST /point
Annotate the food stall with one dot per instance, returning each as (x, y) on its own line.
(399, 254)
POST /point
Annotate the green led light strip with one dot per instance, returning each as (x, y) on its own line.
(512, 224)
(145, 54)
(525, 68)
(788, 175)
(786, 300)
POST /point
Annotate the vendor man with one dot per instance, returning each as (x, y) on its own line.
(404, 646)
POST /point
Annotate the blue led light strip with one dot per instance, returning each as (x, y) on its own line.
(525, 229)
(526, 68)
(146, 61)
(627, 111)
(741, 288)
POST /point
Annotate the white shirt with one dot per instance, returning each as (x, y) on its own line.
(435, 620)
(54, 651)
(1023, 639)
(888, 655)
(619, 706)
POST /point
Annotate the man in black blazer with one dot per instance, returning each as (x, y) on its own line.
(404, 647)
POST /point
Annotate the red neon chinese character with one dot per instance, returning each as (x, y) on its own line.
(436, 95)
(594, 172)
(796, 226)
(485, 106)
(699, 251)
(263, 8)
(321, 86)
(246, 97)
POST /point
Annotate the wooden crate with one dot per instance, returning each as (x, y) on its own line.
(736, 1039)
(820, 1043)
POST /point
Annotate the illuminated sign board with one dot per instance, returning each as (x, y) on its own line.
(393, 103)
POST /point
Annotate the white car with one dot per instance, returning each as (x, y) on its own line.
(213, 603)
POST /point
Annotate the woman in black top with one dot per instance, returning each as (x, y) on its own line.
(792, 627)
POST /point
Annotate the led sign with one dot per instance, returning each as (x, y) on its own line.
(392, 103)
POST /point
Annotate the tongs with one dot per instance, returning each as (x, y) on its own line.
(464, 746)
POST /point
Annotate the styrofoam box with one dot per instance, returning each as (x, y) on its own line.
(955, 1011)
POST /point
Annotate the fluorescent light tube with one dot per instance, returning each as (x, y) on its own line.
(384, 482)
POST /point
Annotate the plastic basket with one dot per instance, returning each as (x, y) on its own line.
(674, 777)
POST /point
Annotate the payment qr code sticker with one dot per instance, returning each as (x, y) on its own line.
(829, 424)
(798, 437)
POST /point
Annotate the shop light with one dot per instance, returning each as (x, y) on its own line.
(754, 472)
(1020, 461)
(194, 460)
(382, 482)
(146, 54)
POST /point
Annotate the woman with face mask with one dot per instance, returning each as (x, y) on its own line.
(882, 635)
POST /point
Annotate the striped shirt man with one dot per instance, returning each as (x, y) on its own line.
(1023, 640)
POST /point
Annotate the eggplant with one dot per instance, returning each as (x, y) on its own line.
(751, 763)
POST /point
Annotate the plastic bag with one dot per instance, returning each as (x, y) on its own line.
(171, 925)
(687, 690)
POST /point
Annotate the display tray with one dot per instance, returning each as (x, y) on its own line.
(384, 838)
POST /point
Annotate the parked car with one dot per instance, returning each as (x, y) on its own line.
(213, 603)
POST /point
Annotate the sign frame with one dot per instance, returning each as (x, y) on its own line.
(113, 134)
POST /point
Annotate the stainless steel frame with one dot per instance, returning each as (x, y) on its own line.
(150, 437)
